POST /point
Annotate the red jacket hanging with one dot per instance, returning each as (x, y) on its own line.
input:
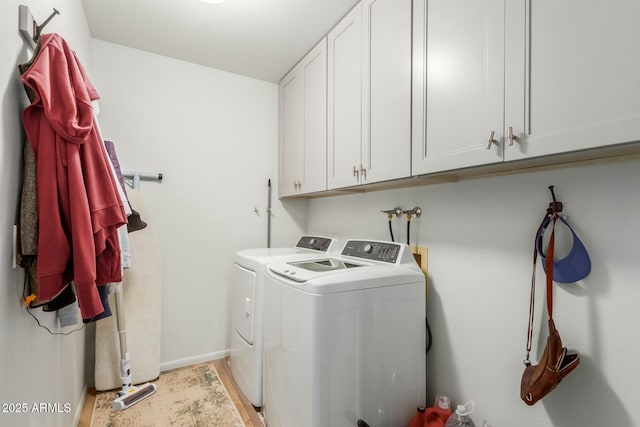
(78, 205)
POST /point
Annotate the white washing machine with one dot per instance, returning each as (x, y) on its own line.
(247, 306)
(344, 338)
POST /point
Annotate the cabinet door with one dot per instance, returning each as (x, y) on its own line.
(458, 84)
(386, 90)
(345, 100)
(314, 69)
(291, 103)
(573, 73)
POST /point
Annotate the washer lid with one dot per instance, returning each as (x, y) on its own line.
(307, 247)
(342, 275)
(301, 271)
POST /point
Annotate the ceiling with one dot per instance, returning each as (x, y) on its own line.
(262, 39)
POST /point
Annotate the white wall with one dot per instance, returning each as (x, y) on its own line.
(35, 367)
(480, 237)
(213, 135)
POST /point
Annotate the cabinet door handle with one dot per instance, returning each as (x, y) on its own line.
(355, 171)
(511, 136)
(491, 140)
(363, 172)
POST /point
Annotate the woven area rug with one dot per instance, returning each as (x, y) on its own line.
(192, 396)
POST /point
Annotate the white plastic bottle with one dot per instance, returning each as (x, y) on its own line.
(460, 418)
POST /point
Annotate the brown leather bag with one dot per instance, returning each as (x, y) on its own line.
(555, 363)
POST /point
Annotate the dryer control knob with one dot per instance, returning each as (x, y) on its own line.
(368, 248)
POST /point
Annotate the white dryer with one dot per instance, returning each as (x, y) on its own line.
(344, 338)
(247, 306)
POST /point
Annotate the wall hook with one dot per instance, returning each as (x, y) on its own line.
(133, 178)
(554, 206)
(39, 28)
(28, 26)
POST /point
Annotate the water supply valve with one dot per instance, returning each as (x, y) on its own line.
(391, 212)
(413, 212)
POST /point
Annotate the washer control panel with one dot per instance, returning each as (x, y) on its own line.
(321, 244)
(377, 251)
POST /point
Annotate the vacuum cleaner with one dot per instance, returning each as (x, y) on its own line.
(130, 394)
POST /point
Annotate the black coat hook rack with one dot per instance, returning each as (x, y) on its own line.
(28, 26)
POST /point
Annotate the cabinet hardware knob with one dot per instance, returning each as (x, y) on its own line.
(511, 136)
(491, 140)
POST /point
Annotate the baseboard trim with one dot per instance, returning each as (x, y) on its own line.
(181, 363)
(77, 418)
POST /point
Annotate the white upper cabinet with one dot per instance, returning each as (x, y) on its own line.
(458, 94)
(416, 87)
(573, 75)
(497, 80)
(303, 125)
(369, 94)
(345, 100)
(386, 90)
(315, 119)
(291, 133)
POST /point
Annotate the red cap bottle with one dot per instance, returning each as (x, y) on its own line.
(437, 415)
(418, 419)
